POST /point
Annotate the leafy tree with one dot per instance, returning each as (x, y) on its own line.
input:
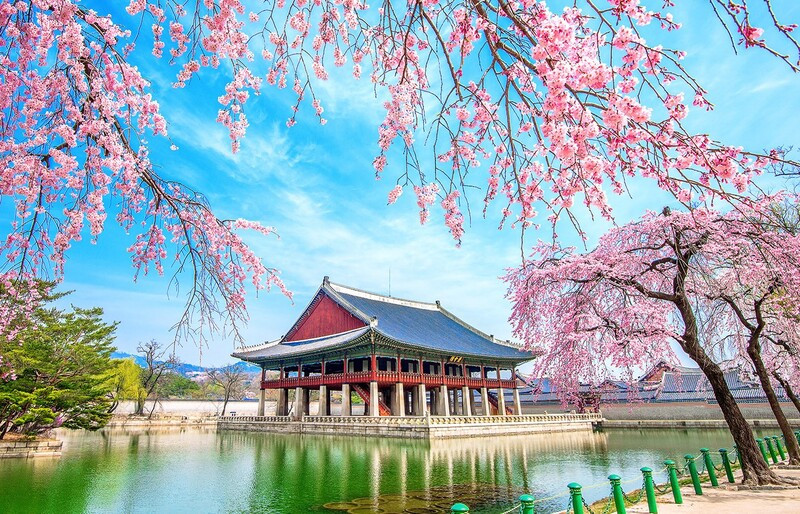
(62, 360)
(125, 380)
(173, 385)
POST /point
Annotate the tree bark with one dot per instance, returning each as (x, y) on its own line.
(754, 469)
(754, 351)
(789, 392)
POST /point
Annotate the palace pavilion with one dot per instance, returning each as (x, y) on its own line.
(402, 358)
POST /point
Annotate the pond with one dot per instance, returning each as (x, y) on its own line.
(201, 470)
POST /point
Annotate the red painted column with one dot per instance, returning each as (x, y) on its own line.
(374, 366)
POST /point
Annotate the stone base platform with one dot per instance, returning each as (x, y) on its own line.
(23, 449)
(432, 427)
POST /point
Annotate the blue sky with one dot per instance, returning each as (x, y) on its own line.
(316, 185)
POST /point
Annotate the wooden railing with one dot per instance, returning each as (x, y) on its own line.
(386, 378)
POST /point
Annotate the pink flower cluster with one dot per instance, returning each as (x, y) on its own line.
(75, 120)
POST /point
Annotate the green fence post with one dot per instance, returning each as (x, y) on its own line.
(771, 449)
(673, 481)
(693, 472)
(577, 499)
(528, 506)
(726, 462)
(616, 492)
(712, 473)
(459, 507)
(649, 490)
(779, 446)
(763, 450)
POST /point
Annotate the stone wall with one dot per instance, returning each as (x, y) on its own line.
(30, 449)
(413, 427)
(674, 411)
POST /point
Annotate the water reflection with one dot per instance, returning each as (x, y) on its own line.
(200, 470)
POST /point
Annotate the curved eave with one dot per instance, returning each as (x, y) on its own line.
(295, 349)
(522, 356)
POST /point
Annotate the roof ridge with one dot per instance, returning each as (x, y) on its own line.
(336, 297)
(341, 288)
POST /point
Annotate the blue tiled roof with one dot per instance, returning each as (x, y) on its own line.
(290, 348)
(424, 325)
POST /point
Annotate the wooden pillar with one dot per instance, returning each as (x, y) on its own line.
(399, 400)
(466, 405)
(346, 409)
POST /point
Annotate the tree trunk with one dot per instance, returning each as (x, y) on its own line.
(754, 469)
(224, 404)
(754, 351)
(786, 387)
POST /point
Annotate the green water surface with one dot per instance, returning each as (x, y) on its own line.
(202, 470)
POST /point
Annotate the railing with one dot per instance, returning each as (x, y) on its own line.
(386, 378)
(420, 420)
(696, 471)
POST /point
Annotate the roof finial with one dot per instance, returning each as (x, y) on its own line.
(438, 304)
(326, 280)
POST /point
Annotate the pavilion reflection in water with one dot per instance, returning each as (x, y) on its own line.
(396, 475)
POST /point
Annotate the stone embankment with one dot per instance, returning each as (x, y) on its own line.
(25, 449)
(122, 421)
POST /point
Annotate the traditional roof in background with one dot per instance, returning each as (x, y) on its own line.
(338, 315)
(675, 384)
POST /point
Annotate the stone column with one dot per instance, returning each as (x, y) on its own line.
(466, 400)
(280, 406)
(501, 402)
(346, 410)
(421, 396)
(324, 407)
(262, 393)
(299, 409)
(487, 409)
(306, 401)
(517, 403)
(472, 407)
(444, 402)
(399, 400)
(373, 399)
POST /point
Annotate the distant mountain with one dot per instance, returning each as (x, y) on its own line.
(185, 368)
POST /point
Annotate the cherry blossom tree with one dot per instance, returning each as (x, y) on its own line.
(615, 309)
(557, 106)
(73, 145)
(756, 276)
